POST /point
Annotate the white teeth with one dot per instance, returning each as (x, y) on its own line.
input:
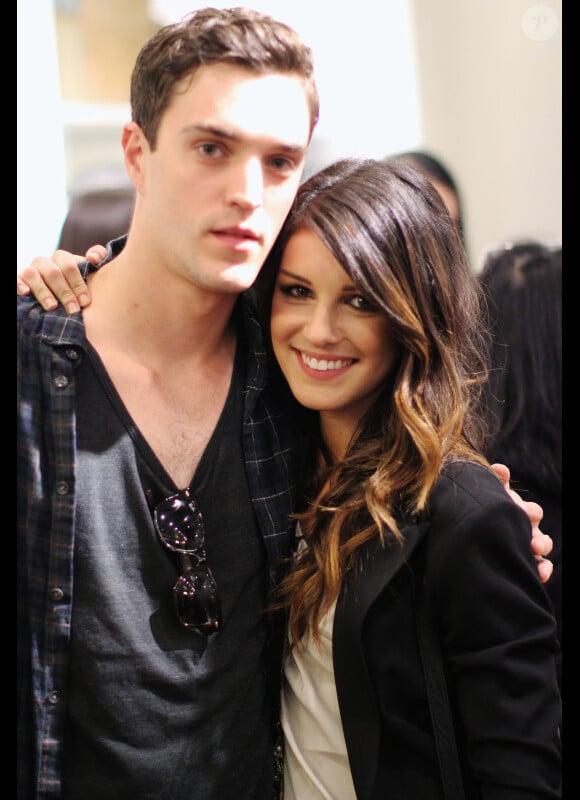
(323, 364)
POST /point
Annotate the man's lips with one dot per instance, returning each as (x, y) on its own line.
(236, 235)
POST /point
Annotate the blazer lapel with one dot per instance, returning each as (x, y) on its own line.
(376, 568)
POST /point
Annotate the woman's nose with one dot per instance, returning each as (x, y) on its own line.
(323, 325)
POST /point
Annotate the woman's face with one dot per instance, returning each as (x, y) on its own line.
(333, 347)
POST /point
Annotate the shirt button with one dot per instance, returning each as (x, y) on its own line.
(61, 381)
(53, 697)
(62, 488)
(56, 594)
(72, 355)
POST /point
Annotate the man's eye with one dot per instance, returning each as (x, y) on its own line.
(282, 164)
(209, 149)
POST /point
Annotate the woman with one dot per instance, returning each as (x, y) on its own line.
(375, 323)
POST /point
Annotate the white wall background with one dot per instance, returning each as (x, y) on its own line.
(476, 82)
(490, 82)
(41, 197)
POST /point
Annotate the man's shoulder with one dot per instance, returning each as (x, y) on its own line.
(30, 315)
(466, 487)
(48, 327)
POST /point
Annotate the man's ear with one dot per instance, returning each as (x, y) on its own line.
(135, 149)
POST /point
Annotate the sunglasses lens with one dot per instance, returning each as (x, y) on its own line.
(197, 602)
(179, 524)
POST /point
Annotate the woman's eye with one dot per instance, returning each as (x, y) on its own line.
(361, 303)
(294, 290)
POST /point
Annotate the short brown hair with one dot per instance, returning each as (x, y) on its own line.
(209, 36)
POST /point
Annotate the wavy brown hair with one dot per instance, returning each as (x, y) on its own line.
(389, 229)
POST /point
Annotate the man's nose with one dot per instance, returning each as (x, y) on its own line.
(247, 184)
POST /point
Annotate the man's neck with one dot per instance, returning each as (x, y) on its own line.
(169, 351)
(159, 315)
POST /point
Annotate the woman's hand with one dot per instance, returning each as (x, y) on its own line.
(59, 278)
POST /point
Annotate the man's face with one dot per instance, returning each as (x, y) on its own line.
(229, 158)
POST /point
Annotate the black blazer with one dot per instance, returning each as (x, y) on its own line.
(498, 639)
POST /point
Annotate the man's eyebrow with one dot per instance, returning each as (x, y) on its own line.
(224, 133)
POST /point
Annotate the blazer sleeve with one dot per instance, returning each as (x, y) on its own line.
(498, 637)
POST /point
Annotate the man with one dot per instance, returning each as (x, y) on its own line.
(157, 389)
(156, 463)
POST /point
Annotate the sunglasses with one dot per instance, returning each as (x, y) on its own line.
(179, 525)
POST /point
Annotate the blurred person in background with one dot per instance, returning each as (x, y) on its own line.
(441, 178)
(96, 215)
(522, 399)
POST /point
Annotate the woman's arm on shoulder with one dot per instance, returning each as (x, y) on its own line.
(58, 278)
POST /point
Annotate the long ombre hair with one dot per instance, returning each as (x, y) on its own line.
(390, 231)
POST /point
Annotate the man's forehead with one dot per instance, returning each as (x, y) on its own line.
(272, 105)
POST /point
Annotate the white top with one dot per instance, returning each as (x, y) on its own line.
(316, 764)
